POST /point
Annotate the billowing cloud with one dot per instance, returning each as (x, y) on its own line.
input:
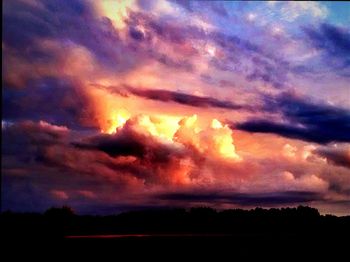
(136, 161)
(111, 105)
(169, 155)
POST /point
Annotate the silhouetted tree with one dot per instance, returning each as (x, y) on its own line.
(60, 212)
(290, 222)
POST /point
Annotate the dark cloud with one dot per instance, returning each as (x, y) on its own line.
(24, 140)
(335, 155)
(304, 119)
(186, 99)
(340, 189)
(115, 145)
(24, 26)
(334, 41)
(75, 21)
(38, 160)
(58, 101)
(245, 199)
(151, 159)
(136, 34)
(22, 194)
(130, 141)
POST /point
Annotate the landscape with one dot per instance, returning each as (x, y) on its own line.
(197, 231)
(174, 124)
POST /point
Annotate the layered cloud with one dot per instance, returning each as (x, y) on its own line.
(283, 198)
(303, 119)
(110, 105)
(181, 98)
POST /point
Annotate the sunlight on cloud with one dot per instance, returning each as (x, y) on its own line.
(116, 10)
(215, 139)
(140, 97)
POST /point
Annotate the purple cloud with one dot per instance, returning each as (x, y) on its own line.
(305, 120)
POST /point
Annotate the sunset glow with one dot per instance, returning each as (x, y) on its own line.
(117, 105)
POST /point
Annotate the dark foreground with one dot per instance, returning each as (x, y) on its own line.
(182, 248)
(293, 233)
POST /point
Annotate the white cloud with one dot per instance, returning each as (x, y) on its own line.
(292, 10)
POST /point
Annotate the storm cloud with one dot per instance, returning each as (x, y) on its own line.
(339, 155)
(115, 106)
(304, 119)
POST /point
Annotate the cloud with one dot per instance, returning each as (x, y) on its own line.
(185, 45)
(303, 119)
(194, 157)
(335, 155)
(143, 134)
(61, 22)
(291, 11)
(84, 122)
(142, 153)
(135, 138)
(61, 102)
(61, 195)
(332, 39)
(159, 158)
(186, 99)
(87, 194)
(289, 151)
(245, 199)
(269, 71)
(132, 165)
(40, 163)
(334, 43)
(250, 59)
(164, 41)
(29, 135)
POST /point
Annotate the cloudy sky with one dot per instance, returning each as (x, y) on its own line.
(117, 105)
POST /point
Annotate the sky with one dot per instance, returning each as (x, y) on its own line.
(114, 105)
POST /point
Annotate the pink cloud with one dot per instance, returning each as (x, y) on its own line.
(59, 194)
